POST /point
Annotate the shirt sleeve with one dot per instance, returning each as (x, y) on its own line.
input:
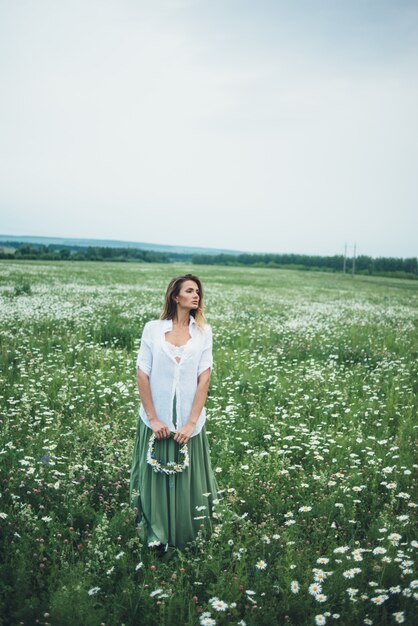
(144, 358)
(206, 359)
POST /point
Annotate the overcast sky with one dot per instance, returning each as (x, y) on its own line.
(277, 126)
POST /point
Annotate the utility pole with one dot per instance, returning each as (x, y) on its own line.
(354, 259)
(345, 256)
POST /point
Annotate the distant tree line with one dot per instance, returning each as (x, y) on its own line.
(383, 266)
(57, 252)
(389, 266)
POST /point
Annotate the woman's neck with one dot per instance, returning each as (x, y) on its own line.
(181, 318)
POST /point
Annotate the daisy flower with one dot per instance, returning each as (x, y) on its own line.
(294, 586)
(320, 597)
(93, 591)
(378, 600)
(261, 564)
(218, 605)
(314, 589)
(207, 621)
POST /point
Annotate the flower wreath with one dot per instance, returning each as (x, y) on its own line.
(167, 468)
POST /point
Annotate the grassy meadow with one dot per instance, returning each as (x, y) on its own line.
(311, 420)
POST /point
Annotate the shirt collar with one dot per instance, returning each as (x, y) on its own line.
(168, 324)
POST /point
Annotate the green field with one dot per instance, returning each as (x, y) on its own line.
(311, 420)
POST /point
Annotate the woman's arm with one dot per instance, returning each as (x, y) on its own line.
(161, 430)
(185, 432)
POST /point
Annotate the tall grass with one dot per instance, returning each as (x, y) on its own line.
(311, 423)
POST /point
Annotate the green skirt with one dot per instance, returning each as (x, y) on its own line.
(172, 508)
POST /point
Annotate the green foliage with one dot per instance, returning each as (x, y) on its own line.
(22, 288)
(312, 429)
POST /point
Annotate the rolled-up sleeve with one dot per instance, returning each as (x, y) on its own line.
(144, 358)
(206, 359)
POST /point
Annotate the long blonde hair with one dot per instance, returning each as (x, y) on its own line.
(170, 309)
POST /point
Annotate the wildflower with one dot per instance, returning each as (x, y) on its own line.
(320, 620)
(350, 573)
(403, 495)
(217, 604)
(304, 509)
(378, 600)
(250, 592)
(3, 515)
(320, 597)
(314, 588)
(322, 560)
(46, 518)
(156, 592)
(261, 564)
(319, 574)
(294, 586)
(379, 550)
(118, 556)
(207, 621)
(93, 591)
(399, 616)
(139, 566)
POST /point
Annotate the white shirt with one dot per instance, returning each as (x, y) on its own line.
(167, 377)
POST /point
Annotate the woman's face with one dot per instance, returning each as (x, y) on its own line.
(189, 295)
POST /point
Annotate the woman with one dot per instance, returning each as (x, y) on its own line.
(172, 484)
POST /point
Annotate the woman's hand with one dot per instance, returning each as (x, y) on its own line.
(184, 433)
(160, 430)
